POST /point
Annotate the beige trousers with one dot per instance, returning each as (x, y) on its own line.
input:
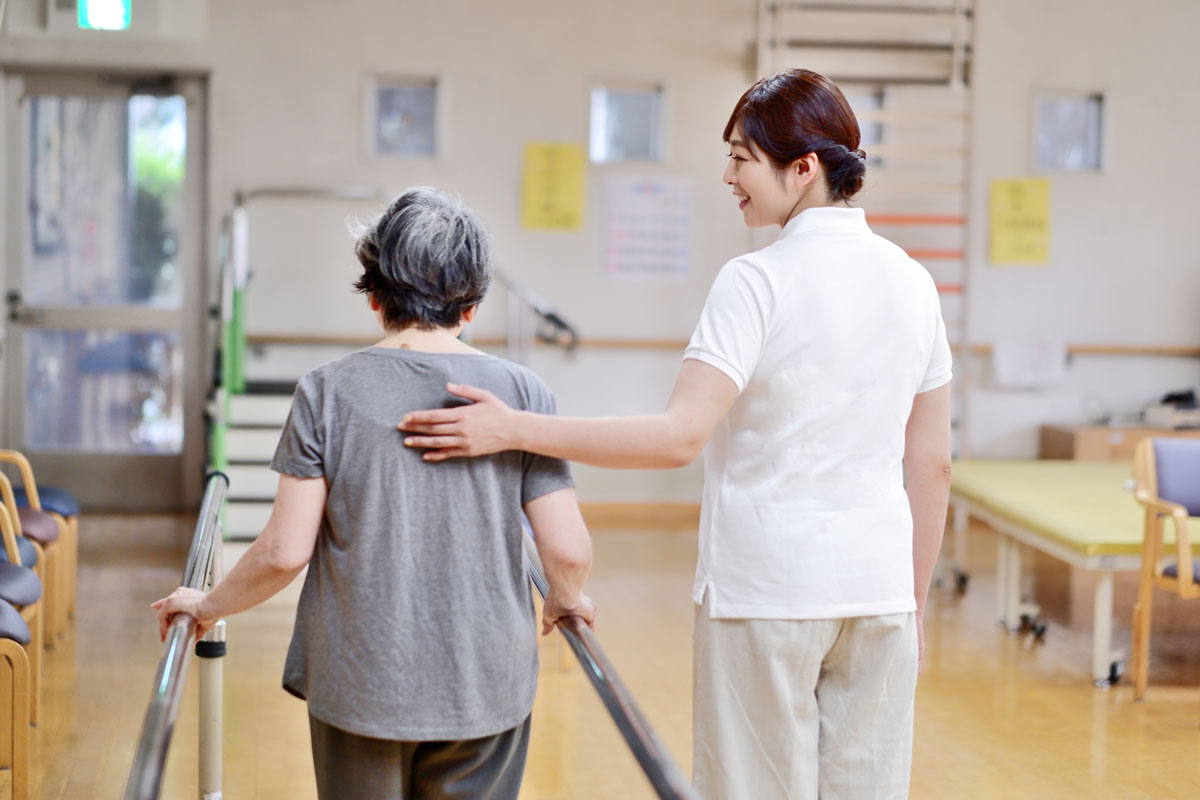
(803, 709)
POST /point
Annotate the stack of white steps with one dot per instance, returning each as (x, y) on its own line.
(255, 423)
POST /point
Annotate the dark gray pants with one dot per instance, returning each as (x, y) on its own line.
(352, 767)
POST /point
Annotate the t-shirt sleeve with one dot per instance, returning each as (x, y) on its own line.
(939, 371)
(541, 474)
(733, 323)
(301, 450)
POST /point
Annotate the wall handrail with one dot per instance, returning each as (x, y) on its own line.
(1165, 351)
(661, 770)
(553, 329)
(305, 339)
(146, 773)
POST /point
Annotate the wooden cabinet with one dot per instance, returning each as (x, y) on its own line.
(1097, 442)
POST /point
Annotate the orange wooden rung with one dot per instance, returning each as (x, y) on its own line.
(936, 254)
(916, 219)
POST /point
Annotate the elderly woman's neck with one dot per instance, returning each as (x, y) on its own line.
(434, 340)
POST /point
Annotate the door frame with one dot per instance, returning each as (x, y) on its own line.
(122, 482)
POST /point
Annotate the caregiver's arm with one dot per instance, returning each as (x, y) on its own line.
(701, 398)
(927, 480)
(283, 548)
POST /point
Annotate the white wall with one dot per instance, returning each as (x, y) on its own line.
(1124, 256)
(287, 107)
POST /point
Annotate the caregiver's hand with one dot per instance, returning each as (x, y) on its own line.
(486, 426)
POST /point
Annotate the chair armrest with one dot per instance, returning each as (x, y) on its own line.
(1183, 549)
(26, 470)
(1183, 539)
(1162, 506)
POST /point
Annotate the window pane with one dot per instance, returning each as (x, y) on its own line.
(106, 201)
(157, 144)
(625, 125)
(103, 392)
(871, 131)
(104, 15)
(1068, 132)
(405, 119)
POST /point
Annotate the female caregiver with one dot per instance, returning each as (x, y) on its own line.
(818, 375)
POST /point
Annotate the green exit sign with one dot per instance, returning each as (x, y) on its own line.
(104, 15)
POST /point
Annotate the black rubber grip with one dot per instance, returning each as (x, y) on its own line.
(214, 473)
(210, 649)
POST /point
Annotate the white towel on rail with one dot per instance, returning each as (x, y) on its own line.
(1018, 364)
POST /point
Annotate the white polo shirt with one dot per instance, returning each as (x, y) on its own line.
(828, 334)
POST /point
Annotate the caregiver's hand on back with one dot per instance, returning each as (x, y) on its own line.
(483, 427)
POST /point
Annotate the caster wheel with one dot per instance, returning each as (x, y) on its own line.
(1115, 670)
(960, 582)
(1039, 631)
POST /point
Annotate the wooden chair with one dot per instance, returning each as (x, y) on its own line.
(1167, 484)
(48, 532)
(63, 507)
(14, 741)
(22, 588)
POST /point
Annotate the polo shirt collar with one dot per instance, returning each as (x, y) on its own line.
(821, 217)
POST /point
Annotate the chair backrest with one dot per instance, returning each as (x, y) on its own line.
(10, 521)
(1177, 468)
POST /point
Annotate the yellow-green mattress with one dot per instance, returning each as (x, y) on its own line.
(1082, 505)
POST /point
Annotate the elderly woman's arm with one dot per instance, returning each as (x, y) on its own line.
(701, 398)
(927, 480)
(283, 548)
(563, 543)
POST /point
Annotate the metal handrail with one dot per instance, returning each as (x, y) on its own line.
(552, 328)
(146, 774)
(661, 770)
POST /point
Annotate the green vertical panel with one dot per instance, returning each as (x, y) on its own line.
(236, 381)
(220, 458)
(218, 453)
(227, 358)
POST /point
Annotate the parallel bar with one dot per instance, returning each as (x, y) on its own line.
(662, 772)
(212, 685)
(145, 776)
(1102, 614)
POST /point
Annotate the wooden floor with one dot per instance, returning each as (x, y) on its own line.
(997, 716)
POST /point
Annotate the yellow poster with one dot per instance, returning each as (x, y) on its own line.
(1020, 221)
(552, 187)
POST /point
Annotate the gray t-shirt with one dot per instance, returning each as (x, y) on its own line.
(416, 620)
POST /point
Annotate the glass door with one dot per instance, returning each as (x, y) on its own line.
(104, 290)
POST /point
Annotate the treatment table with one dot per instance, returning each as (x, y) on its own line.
(1082, 513)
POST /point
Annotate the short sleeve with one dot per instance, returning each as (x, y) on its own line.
(301, 446)
(734, 322)
(539, 474)
(939, 371)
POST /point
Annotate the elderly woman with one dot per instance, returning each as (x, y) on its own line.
(415, 642)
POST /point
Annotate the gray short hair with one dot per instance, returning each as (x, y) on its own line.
(426, 260)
